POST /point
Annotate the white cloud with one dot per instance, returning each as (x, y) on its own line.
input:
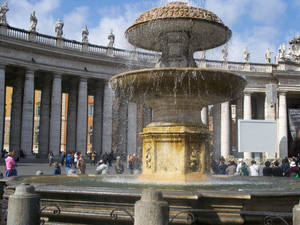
(267, 11)
(74, 22)
(19, 14)
(118, 22)
(228, 10)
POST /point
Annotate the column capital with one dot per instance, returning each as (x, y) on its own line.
(57, 75)
(29, 74)
(83, 79)
(2, 66)
(282, 92)
(247, 92)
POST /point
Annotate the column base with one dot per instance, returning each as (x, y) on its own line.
(175, 152)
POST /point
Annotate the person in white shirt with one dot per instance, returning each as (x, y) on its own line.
(102, 168)
(254, 169)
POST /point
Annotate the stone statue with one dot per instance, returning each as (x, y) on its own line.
(203, 55)
(246, 56)
(225, 53)
(268, 55)
(281, 52)
(85, 35)
(111, 38)
(59, 28)
(33, 22)
(3, 11)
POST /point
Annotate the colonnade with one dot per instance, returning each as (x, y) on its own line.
(269, 114)
(52, 86)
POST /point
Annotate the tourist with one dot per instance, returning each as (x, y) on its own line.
(293, 170)
(231, 168)
(276, 170)
(10, 166)
(50, 158)
(119, 166)
(238, 167)
(105, 158)
(69, 163)
(254, 169)
(243, 170)
(128, 160)
(110, 158)
(267, 170)
(57, 169)
(62, 158)
(81, 165)
(285, 167)
(102, 168)
(296, 145)
(75, 160)
(93, 158)
(3, 152)
(222, 167)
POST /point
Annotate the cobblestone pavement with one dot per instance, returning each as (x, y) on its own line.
(31, 168)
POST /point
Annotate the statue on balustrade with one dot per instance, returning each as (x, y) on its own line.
(3, 10)
(85, 35)
(59, 28)
(281, 52)
(246, 56)
(268, 56)
(33, 22)
(111, 38)
(225, 53)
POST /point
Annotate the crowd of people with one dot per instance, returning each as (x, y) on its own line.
(287, 168)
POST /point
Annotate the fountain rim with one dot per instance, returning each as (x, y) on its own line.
(170, 69)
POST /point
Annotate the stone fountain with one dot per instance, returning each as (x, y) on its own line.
(176, 143)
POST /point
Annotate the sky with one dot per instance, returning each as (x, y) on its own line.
(255, 24)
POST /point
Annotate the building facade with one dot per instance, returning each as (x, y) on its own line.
(55, 96)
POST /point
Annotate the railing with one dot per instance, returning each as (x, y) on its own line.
(43, 39)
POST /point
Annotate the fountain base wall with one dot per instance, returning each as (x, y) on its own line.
(175, 152)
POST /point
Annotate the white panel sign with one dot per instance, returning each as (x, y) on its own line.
(257, 136)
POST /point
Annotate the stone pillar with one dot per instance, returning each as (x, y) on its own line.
(55, 116)
(82, 116)
(216, 113)
(45, 118)
(120, 120)
(225, 130)
(296, 215)
(132, 128)
(107, 119)
(204, 115)
(72, 116)
(151, 209)
(247, 116)
(270, 114)
(282, 126)
(2, 105)
(24, 206)
(27, 114)
(16, 115)
(98, 117)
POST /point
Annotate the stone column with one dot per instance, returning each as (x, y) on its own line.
(55, 116)
(16, 115)
(45, 118)
(107, 119)
(24, 206)
(151, 209)
(225, 130)
(2, 104)
(247, 116)
(120, 120)
(270, 114)
(132, 128)
(282, 126)
(82, 116)
(72, 116)
(27, 114)
(98, 117)
(204, 115)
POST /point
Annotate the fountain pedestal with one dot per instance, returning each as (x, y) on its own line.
(175, 152)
